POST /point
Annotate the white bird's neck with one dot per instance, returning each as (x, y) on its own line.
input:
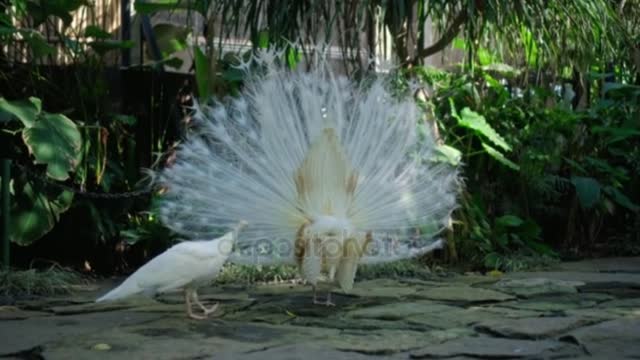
(330, 225)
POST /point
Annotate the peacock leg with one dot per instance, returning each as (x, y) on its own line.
(207, 311)
(187, 301)
(328, 301)
(315, 294)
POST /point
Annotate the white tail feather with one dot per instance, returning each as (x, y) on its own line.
(242, 161)
(126, 289)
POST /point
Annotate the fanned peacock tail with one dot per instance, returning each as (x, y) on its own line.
(295, 145)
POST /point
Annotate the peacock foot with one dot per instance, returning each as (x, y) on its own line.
(326, 302)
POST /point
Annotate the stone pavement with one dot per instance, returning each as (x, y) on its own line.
(588, 309)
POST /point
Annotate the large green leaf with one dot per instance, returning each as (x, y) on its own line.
(448, 154)
(55, 140)
(263, 39)
(202, 73)
(509, 221)
(530, 47)
(587, 189)
(33, 214)
(171, 38)
(616, 133)
(26, 111)
(497, 155)
(476, 122)
(621, 199)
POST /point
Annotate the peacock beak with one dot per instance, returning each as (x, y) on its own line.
(241, 225)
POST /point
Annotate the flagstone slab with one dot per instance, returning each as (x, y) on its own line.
(463, 294)
(557, 303)
(619, 338)
(15, 313)
(531, 328)
(33, 332)
(485, 347)
(537, 286)
(350, 323)
(605, 278)
(384, 292)
(505, 312)
(383, 342)
(398, 311)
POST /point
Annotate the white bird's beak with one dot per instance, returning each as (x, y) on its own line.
(241, 225)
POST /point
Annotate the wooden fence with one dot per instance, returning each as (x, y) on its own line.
(104, 14)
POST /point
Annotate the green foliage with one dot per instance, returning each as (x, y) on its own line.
(26, 111)
(171, 39)
(81, 142)
(35, 212)
(573, 167)
(497, 155)
(55, 141)
(478, 124)
(145, 229)
(203, 75)
(410, 268)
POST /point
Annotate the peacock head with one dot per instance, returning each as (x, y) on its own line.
(241, 225)
(330, 226)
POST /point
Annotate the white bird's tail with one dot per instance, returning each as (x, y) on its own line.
(242, 160)
(128, 288)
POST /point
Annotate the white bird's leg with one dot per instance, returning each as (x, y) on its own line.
(328, 301)
(187, 300)
(315, 293)
(207, 311)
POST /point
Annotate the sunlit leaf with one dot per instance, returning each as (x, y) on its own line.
(497, 155)
(293, 58)
(476, 122)
(509, 221)
(54, 140)
(26, 111)
(263, 39)
(448, 154)
(202, 73)
(171, 38)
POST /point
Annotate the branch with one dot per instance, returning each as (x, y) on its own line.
(446, 38)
